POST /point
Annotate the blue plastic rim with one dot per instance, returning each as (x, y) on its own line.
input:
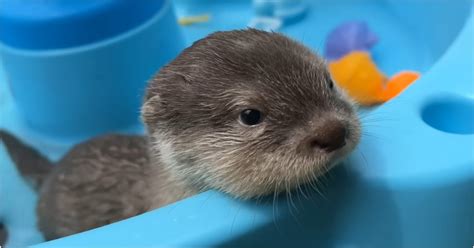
(53, 24)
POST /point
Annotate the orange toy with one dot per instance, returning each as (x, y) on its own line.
(360, 77)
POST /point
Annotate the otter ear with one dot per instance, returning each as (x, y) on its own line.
(154, 106)
(151, 109)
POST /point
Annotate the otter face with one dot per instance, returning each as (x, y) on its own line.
(248, 113)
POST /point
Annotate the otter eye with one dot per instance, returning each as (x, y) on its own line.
(251, 117)
(331, 84)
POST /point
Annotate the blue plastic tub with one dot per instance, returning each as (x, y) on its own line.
(409, 184)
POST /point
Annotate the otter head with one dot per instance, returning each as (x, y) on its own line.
(248, 113)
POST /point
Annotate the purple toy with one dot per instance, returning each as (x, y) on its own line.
(348, 37)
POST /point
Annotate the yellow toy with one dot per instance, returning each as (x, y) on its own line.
(360, 77)
(189, 20)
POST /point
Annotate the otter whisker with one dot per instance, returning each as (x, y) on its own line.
(234, 219)
(290, 200)
(275, 207)
(363, 157)
(371, 135)
(317, 181)
(298, 190)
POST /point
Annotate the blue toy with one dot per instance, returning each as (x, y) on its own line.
(348, 37)
(409, 184)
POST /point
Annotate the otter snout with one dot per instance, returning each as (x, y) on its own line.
(329, 136)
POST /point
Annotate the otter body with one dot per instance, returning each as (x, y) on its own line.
(246, 112)
(98, 182)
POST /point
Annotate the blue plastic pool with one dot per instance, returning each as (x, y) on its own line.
(409, 184)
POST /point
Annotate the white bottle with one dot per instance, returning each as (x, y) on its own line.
(272, 14)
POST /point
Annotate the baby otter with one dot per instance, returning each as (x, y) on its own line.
(244, 112)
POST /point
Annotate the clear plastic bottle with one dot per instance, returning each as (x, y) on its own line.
(272, 14)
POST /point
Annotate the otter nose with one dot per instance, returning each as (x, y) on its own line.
(330, 136)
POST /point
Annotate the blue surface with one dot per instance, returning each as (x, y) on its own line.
(409, 184)
(53, 24)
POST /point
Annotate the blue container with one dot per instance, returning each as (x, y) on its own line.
(79, 68)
